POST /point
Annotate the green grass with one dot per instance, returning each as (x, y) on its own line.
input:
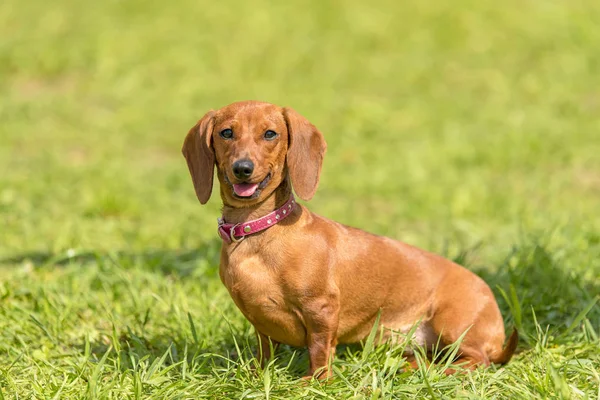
(467, 128)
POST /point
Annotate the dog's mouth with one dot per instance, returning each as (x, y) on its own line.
(247, 190)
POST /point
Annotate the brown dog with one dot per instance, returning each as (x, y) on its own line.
(309, 281)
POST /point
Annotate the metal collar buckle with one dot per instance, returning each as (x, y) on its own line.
(232, 235)
(227, 235)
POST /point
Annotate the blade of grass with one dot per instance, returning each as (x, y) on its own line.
(581, 316)
(370, 343)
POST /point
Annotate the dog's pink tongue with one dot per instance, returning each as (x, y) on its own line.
(245, 189)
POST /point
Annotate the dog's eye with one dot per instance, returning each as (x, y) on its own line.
(270, 135)
(226, 133)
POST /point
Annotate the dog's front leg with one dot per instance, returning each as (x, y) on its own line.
(321, 330)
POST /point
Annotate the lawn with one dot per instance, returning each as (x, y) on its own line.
(467, 128)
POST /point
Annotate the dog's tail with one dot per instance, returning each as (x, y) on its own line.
(508, 350)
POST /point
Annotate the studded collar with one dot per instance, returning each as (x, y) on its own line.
(236, 232)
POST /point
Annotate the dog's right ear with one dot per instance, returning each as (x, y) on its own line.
(200, 156)
(305, 153)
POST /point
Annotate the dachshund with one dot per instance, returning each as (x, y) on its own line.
(307, 281)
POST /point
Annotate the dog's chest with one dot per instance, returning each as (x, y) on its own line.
(250, 282)
(255, 288)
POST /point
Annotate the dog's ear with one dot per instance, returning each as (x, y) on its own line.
(306, 149)
(198, 152)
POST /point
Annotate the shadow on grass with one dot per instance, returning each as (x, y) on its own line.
(231, 354)
(180, 262)
(133, 348)
(539, 288)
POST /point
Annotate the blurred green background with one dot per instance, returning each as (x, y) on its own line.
(467, 128)
(454, 121)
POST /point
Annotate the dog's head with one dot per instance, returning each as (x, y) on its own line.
(255, 146)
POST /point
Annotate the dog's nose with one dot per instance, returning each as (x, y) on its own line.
(242, 169)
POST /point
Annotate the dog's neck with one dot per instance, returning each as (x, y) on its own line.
(276, 199)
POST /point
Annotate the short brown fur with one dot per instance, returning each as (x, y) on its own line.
(309, 281)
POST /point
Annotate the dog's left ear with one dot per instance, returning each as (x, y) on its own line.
(306, 150)
(198, 152)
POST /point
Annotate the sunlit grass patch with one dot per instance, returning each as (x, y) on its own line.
(465, 128)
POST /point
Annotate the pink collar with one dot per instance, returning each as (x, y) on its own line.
(236, 232)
